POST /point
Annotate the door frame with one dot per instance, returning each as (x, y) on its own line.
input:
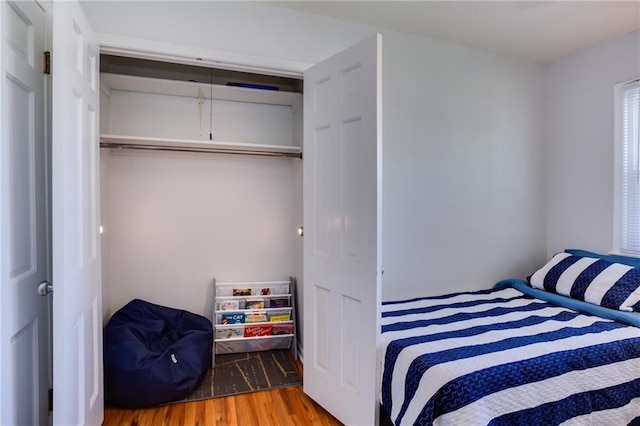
(166, 52)
(211, 58)
(160, 51)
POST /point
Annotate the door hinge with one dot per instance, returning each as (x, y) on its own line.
(51, 400)
(46, 62)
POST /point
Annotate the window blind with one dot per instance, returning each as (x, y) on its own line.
(630, 191)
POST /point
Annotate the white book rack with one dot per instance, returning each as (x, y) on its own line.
(254, 316)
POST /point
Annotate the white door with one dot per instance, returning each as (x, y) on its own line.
(24, 321)
(342, 243)
(77, 301)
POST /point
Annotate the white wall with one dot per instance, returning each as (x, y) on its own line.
(177, 220)
(464, 186)
(581, 144)
(245, 27)
(137, 114)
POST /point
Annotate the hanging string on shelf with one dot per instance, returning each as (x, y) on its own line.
(200, 103)
(211, 104)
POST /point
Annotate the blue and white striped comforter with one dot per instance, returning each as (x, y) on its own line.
(499, 357)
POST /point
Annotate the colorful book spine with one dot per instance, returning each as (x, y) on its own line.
(232, 318)
(229, 332)
(279, 302)
(278, 329)
(257, 303)
(257, 330)
(280, 317)
(230, 305)
(255, 317)
(242, 292)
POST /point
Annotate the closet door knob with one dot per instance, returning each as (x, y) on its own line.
(44, 288)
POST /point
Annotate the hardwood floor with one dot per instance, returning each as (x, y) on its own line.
(287, 406)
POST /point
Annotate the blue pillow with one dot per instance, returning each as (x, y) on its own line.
(592, 279)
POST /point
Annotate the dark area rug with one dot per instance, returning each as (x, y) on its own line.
(247, 372)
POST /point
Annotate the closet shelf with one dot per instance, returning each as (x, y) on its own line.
(159, 86)
(186, 145)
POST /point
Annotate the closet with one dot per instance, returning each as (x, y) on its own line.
(201, 177)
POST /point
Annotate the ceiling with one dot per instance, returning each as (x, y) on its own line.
(542, 31)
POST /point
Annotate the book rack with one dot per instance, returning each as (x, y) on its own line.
(254, 316)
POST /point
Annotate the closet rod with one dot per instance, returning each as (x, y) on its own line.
(201, 150)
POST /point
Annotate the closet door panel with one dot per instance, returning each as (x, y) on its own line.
(343, 238)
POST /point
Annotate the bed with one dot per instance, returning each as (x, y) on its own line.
(537, 352)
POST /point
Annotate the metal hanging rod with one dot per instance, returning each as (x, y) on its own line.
(207, 150)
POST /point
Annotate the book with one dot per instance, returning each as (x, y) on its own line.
(253, 86)
(279, 302)
(242, 292)
(257, 303)
(232, 318)
(229, 332)
(229, 305)
(278, 329)
(280, 317)
(257, 330)
(255, 317)
(265, 291)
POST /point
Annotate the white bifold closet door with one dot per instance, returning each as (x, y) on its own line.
(77, 300)
(342, 242)
(24, 254)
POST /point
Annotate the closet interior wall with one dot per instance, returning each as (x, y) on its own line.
(173, 220)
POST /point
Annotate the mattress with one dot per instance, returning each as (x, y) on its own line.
(504, 357)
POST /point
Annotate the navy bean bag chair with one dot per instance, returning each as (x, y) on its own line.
(154, 354)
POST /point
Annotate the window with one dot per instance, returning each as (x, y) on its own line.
(627, 179)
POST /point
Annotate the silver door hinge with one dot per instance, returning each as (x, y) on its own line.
(46, 62)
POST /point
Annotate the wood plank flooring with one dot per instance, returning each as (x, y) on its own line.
(287, 406)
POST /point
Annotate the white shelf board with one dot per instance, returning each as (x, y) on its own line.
(253, 296)
(151, 142)
(242, 324)
(160, 86)
(253, 283)
(249, 310)
(248, 339)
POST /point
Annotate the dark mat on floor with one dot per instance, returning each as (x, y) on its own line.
(247, 372)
